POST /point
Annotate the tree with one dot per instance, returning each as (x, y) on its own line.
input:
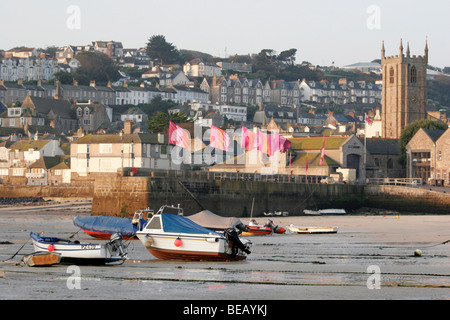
(410, 130)
(161, 121)
(95, 66)
(159, 49)
(64, 77)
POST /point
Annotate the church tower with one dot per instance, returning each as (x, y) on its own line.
(404, 97)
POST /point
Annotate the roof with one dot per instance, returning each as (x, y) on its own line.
(25, 145)
(434, 134)
(315, 143)
(382, 146)
(46, 162)
(149, 138)
(314, 160)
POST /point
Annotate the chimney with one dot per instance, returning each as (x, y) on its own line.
(75, 83)
(109, 84)
(125, 84)
(92, 84)
(142, 85)
(127, 127)
(214, 83)
(20, 81)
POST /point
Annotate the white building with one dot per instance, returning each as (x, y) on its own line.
(197, 68)
(28, 69)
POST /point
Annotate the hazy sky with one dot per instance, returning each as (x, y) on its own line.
(322, 31)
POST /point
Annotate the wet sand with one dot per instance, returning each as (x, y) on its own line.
(280, 267)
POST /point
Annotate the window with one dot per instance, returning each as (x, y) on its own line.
(391, 75)
(413, 75)
(105, 148)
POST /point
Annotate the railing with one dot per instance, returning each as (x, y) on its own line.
(396, 181)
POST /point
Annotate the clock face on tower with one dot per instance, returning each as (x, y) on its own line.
(414, 98)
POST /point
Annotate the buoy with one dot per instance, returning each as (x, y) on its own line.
(178, 242)
(51, 248)
(398, 217)
(417, 253)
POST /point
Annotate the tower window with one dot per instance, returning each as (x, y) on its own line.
(391, 75)
(413, 75)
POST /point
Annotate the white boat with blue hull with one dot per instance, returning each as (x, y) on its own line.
(73, 251)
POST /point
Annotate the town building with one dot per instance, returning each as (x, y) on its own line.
(428, 156)
(404, 98)
(198, 68)
(110, 153)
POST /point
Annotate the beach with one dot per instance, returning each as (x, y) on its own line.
(371, 257)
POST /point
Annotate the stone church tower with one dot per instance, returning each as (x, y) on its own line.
(404, 97)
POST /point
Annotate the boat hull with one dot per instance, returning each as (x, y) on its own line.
(311, 230)
(106, 235)
(42, 259)
(73, 252)
(256, 231)
(190, 247)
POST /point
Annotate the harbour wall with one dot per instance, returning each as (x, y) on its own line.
(121, 196)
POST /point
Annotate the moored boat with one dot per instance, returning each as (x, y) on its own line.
(169, 236)
(255, 229)
(309, 230)
(82, 253)
(102, 227)
(325, 212)
(42, 259)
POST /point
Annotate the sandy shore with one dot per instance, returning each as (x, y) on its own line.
(289, 266)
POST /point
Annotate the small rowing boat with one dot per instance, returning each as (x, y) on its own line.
(309, 230)
(42, 259)
(81, 253)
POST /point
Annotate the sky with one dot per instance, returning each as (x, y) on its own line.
(324, 32)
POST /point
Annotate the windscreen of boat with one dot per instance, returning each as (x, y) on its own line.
(155, 223)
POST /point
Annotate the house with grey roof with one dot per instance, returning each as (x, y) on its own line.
(110, 153)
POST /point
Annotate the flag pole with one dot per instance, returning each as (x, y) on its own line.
(365, 147)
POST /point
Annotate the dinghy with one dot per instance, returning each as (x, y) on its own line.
(309, 230)
(42, 259)
(72, 251)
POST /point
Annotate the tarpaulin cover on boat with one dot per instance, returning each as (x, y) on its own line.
(180, 224)
(106, 224)
(210, 220)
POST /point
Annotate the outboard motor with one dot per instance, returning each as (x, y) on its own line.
(116, 245)
(232, 236)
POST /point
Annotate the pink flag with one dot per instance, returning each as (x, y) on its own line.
(248, 140)
(219, 139)
(178, 136)
(323, 151)
(264, 143)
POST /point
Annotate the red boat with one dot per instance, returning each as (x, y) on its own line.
(254, 229)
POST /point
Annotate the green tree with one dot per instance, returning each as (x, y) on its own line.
(161, 121)
(410, 130)
(95, 66)
(160, 50)
(64, 77)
